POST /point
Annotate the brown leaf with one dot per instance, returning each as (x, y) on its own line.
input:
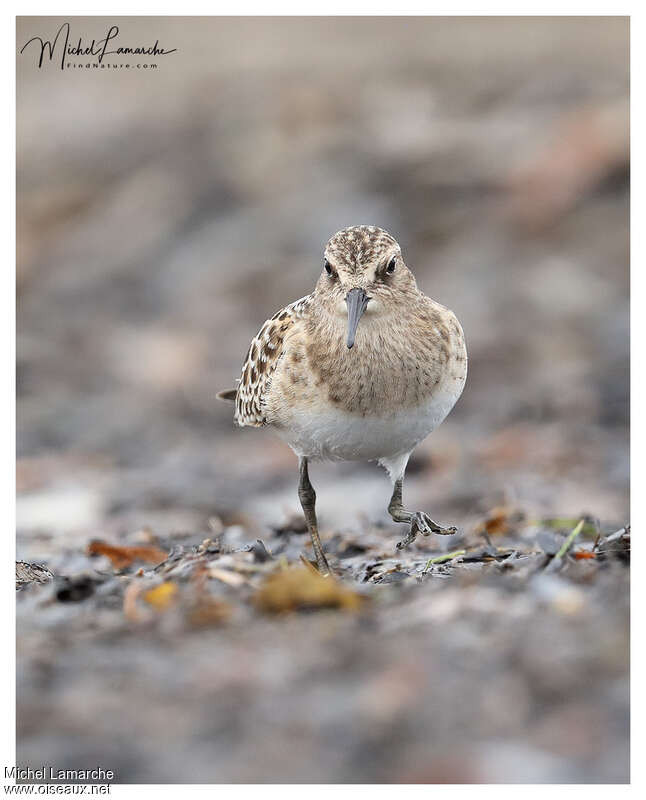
(124, 556)
(132, 592)
(208, 611)
(499, 521)
(299, 588)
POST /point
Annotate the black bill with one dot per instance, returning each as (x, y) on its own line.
(357, 302)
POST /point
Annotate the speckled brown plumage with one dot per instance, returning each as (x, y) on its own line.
(263, 356)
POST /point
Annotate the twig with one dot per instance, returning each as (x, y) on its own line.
(622, 537)
(617, 535)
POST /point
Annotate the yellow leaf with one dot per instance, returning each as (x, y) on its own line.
(300, 588)
(162, 596)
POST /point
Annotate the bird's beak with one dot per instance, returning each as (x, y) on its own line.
(357, 302)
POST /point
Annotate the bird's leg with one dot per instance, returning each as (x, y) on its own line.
(419, 521)
(307, 496)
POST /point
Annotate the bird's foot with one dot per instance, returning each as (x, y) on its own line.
(319, 565)
(323, 567)
(420, 522)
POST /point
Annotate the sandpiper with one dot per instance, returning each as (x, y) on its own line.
(361, 369)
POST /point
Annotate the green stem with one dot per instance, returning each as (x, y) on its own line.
(568, 542)
(445, 557)
(563, 522)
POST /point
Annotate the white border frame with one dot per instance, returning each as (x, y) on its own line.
(638, 392)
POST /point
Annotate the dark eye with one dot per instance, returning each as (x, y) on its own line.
(327, 267)
(391, 265)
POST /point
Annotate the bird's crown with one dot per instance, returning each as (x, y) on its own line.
(359, 245)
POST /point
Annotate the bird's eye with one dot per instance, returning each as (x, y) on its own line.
(391, 265)
(327, 267)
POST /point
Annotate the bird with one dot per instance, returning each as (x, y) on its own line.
(362, 369)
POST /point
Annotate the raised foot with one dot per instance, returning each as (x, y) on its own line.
(422, 523)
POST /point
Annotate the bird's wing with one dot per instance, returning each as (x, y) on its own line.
(265, 351)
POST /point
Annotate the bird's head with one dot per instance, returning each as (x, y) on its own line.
(364, 275)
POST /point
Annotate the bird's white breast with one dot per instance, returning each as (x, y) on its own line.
(330, 433)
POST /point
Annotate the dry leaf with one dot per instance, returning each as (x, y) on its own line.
(207, 612)
(124, 556)
(162, 596)
(496, 522)
(132, 592)
(300, 588)
(233, 579)
(499, 521)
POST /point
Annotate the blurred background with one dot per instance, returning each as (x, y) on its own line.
(164, 214)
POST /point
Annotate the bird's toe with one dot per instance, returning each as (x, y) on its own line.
(424, 523)
(450, 531)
